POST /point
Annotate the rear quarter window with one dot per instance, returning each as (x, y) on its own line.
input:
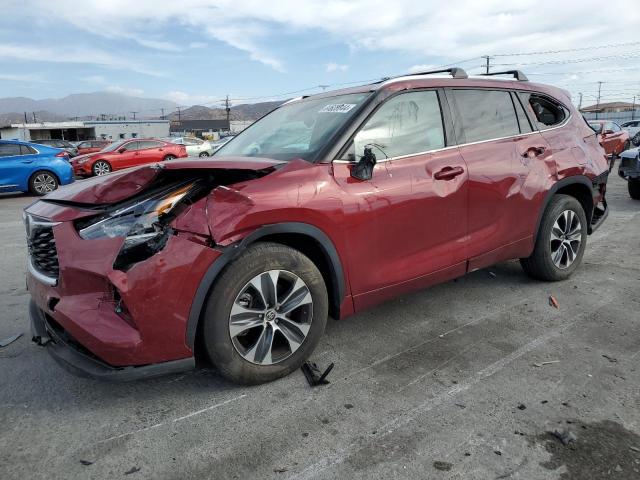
(546, 112)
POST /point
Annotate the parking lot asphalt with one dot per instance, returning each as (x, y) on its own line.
(439, 384)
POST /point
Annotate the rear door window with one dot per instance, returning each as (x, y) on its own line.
(149, 144)
(484, 115)
(9, 150)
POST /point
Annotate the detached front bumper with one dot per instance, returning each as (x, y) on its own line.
(79, 361)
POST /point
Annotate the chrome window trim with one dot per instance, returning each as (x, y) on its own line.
(39, 276)
(560, 125)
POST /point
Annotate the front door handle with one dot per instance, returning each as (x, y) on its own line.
(26, 161)
(533, 152)
(447, 173)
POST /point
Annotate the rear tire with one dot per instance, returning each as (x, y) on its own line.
(43, 182)
(561, 241)
(169, 157)
(634, 188)
(259, 343)
(636, 139)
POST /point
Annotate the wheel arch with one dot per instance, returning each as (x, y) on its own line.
(304, 237)
(578, 186)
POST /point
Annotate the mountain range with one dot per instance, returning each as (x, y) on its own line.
(83, 106)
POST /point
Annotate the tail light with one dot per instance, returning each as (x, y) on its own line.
(62, 154)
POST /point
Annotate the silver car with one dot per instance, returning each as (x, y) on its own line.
(633, 127)
(196, 147)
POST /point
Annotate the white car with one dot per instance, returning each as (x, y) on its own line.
(633, 127)
(223, 141)
(196, 147)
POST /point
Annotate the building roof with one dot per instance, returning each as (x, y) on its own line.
(608, 106)
(199, 125)
(81, 124)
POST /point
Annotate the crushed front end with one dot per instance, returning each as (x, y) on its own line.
(113, 268)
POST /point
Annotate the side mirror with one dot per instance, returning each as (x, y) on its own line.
(607, 132)
(363, 170)
(122, 150)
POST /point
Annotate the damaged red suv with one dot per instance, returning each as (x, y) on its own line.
(327, 206)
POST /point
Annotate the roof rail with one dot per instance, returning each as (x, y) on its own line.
(517, 74)
(456, 72)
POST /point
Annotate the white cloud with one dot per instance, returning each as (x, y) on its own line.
(29, 77)
(436, 32)
(184, 98)
(335, 67)
(72, 54)
(131, 92)
(99, 79)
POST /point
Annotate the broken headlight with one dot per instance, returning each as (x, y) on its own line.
(143, 224)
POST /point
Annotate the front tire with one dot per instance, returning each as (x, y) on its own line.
(265, 314)
(634, 188)
(203, 154)
(636, 139)
(101, 167)
(169, 157)
(561, 241)
(43, 182)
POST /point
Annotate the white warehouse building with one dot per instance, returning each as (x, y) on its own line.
(86, 130)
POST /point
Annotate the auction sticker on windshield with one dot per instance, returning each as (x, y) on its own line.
(337, 108)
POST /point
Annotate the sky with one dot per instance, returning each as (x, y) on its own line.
(199, 51)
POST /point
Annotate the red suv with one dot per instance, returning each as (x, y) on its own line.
(125, 154)
(329, 205)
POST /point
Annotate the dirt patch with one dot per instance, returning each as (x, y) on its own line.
(600, 450)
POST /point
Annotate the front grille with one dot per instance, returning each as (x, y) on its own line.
(42, 249)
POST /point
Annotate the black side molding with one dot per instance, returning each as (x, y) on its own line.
(233, 251)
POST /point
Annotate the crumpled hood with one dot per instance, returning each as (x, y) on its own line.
(121, 185)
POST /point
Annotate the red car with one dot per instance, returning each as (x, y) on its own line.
(91, 146)
(125, 154)
(327, 206)
(611, 136)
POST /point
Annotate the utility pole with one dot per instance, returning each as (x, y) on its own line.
(162, 110)
(134, 115)
(227, 107)
(487, 66)
(633, 111)
(35, 120)
(25, 118)
(179, 117)
(598, 102)
(580, 102)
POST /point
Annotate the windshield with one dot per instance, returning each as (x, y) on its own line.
(296, 130)
(113, 146)
(596, 126)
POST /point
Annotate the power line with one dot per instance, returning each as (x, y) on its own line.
(613, 45)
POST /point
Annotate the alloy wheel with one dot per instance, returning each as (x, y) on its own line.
(271, 317)
(566, 238)
(101, 168)
(44, 183)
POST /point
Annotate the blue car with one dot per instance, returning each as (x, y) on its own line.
(30, 167)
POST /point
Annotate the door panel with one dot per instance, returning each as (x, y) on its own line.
(405, 228)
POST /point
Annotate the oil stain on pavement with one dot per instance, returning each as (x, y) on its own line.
(600, 450)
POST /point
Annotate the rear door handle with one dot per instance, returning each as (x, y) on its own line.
(26, 161)
(447, 173)
(534, 152)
